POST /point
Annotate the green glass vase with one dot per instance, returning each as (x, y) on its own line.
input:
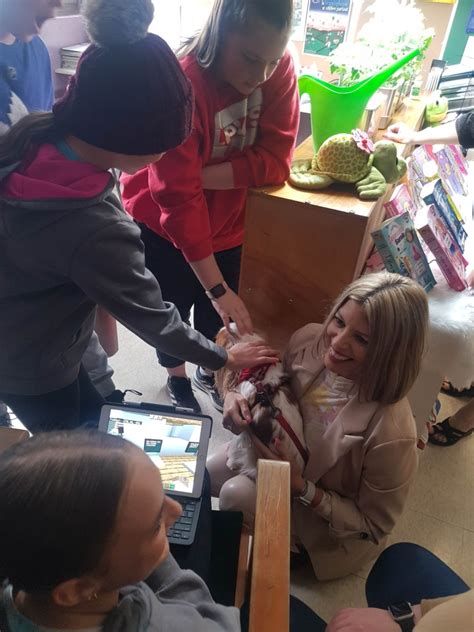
(338, 109)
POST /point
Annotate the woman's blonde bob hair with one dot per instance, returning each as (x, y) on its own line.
(397, 312)
(234, 15)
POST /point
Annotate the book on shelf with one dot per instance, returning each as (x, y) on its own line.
(423, 165)
(400, 202)
(435, 233)
(398, 244)
(437, 194)
(450, 172)
(70, 55)
(459, 159)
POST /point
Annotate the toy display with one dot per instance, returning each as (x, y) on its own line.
(352, 158)
(400, 202)
(436, 108)
(401, 251)
(432, 227)
(435, 193)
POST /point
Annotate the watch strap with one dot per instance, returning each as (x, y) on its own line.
(406, 625)
(307, 495)
(406, 619)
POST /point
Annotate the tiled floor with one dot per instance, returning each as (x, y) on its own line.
(439, 514)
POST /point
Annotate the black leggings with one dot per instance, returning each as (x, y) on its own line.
(75, 405)
(179, 284)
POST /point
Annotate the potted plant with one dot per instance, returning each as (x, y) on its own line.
(395, 28)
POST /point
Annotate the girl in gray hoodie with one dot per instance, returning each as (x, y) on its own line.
(83, 523)
(66, 244)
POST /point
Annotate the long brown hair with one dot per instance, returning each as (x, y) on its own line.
(23, 138)
(231, 15)
(397, 311)
(59, 497)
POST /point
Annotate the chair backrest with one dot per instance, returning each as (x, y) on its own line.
(270, 576)
(9, 436)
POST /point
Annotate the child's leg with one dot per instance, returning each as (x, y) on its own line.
(178, 283)
(64, 409)
(208, 321)
(179, 286)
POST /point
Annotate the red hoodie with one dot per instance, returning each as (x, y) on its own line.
(255, 133)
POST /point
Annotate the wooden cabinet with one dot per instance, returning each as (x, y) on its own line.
(302, 248)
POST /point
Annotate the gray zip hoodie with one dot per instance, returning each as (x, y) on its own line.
(181, 603)
(66, 245)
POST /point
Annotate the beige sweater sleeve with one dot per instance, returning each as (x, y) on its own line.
(443, 615)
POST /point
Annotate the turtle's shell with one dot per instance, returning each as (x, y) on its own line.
(340, 158)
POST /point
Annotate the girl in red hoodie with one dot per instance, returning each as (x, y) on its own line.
(190, 206)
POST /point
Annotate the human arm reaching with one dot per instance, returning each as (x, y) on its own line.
(459, 131)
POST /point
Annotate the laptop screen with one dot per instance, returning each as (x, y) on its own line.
(177, 445)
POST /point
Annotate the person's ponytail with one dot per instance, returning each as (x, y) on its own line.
(25, 136)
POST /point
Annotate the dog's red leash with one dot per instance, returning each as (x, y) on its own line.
(265, 395)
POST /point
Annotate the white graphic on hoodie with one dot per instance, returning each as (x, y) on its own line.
(236, 126)
(17, 110)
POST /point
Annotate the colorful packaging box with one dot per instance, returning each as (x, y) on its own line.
(398, 244)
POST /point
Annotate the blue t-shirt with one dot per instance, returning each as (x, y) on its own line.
(26, 83)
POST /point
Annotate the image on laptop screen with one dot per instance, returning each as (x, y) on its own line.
(172, 443)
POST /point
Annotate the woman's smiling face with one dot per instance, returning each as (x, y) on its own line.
(347, 336)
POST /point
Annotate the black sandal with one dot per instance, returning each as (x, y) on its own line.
(449, 389)
(452, 435)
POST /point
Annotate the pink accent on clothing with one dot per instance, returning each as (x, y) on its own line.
(50, 175)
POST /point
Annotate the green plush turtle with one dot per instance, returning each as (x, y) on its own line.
(352, 158)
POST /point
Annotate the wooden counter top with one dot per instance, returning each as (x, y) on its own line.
(341, 197)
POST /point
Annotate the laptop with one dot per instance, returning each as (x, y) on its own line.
(177, 441)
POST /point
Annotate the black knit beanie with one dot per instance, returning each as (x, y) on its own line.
(129, 97)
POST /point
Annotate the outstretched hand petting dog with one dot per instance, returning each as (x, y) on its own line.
(250, 354)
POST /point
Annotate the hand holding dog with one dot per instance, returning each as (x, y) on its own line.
(236, 415)
(231, 306)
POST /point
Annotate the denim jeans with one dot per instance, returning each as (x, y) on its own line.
(409, 572)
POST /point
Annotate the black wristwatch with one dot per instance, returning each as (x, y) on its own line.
(217, 291)
(403, 614)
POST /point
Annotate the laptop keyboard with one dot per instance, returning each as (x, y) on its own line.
(181, 530)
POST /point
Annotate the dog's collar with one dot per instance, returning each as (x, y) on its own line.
(254, 375)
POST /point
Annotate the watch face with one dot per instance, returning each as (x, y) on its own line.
(401, 609)
(218, 291)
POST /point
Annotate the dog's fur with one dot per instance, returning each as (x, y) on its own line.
(242, 456)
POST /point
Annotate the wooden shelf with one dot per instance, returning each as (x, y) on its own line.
(302, 248)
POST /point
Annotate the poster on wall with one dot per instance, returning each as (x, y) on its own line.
(326, 25)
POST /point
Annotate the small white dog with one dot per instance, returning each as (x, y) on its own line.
(275, 412)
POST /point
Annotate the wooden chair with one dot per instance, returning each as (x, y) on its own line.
(269, 570)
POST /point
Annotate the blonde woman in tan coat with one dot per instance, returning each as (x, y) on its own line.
(350, 377)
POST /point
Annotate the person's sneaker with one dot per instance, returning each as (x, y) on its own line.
(207, 384)
(181, 393)
(5, 421)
